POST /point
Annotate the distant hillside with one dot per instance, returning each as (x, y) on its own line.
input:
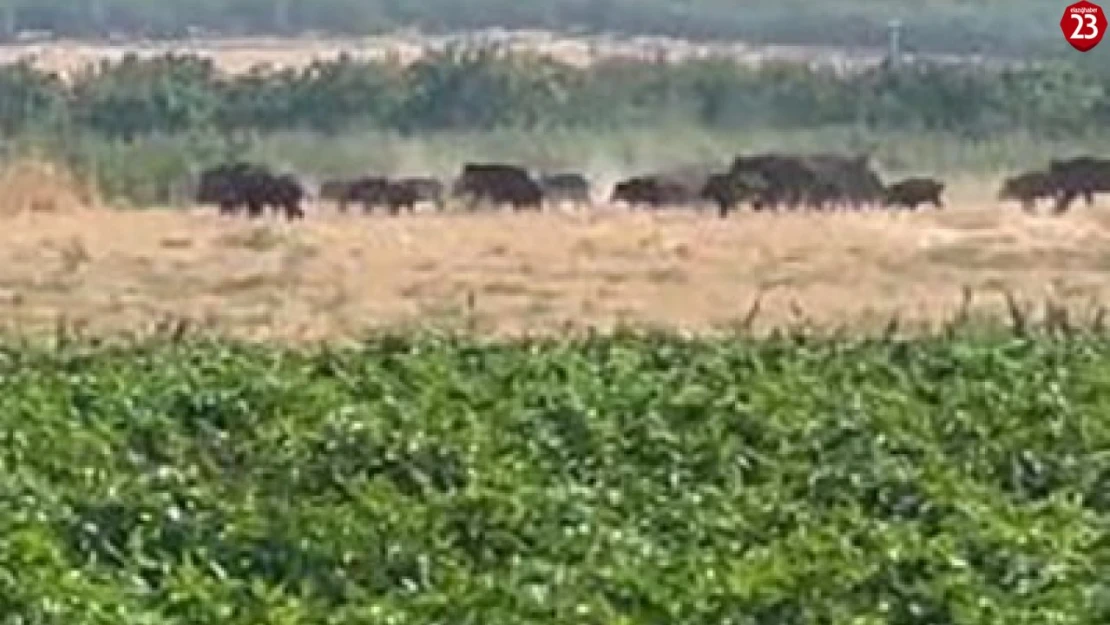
(1017, 28)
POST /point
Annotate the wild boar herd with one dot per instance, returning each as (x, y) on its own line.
(1063, 181)
(765, 182)
(242, 186)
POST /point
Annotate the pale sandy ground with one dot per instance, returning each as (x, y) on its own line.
(240, 55)
(335, 276)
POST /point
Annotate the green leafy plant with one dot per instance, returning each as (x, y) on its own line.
(630, 478)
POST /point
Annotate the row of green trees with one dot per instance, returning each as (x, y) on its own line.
(480, 90)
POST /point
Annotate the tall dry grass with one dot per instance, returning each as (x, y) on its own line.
(336, 276)
(35, 185)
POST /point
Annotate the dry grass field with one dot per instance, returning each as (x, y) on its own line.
(336, 276)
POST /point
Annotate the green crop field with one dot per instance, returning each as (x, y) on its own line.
(619, 479)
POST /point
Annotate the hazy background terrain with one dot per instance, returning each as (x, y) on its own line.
(1009, 27)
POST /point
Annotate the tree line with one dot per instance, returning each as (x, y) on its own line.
(482, 90)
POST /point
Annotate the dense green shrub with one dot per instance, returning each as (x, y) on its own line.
(481, 90)
(624, 479)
